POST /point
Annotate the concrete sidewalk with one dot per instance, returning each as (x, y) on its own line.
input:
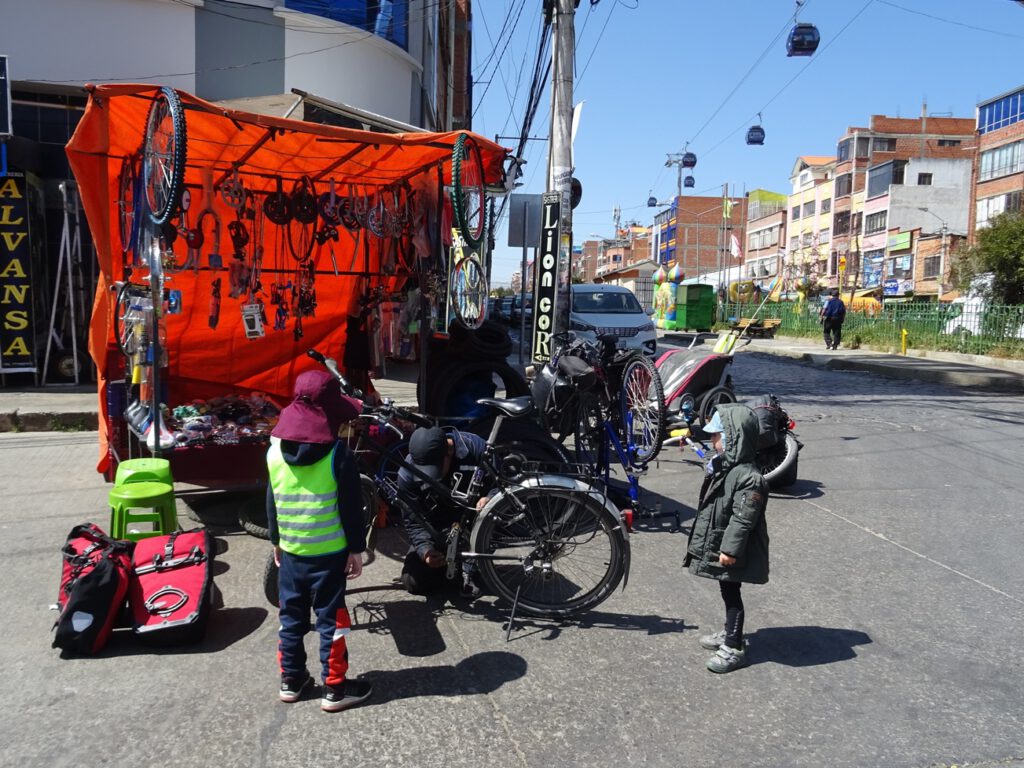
(77, 407)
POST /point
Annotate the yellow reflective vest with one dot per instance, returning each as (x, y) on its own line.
(306, 497)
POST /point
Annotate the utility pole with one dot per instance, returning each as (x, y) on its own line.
(942, 262)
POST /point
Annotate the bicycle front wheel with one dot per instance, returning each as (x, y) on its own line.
(163, 155)
(468, 195)
(642, 401)
(559, 551)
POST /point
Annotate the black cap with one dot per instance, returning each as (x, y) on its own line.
(428, 448)
(834, 292)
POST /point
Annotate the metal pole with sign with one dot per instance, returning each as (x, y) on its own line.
(6, 127)
(545, 271)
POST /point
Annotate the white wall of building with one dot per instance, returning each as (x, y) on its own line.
(948, 197)
(357, 68)
(72, 42)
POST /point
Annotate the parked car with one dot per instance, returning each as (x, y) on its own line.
(519, 309)
(599, 309)
(970, 314)
(502, 307)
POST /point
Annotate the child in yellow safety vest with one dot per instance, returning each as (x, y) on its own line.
(315, 521)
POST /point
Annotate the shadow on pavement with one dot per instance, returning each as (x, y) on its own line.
(480, 673)
(226, 627)
(807, 646)
(801, 489)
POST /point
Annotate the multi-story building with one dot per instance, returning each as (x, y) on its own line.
(404, 65)
(696, 234)
(766, 236)
(809, 220)
(999, 168)
(631, 245)
(858, 151)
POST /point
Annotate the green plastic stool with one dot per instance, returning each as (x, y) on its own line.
(139, 470)
(128, 501)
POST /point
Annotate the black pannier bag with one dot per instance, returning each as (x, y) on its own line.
(770, 418)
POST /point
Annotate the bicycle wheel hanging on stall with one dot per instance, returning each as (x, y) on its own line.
(469, 292)
(163, 155)
(468, 197)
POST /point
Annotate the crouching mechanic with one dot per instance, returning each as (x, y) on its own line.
(315, 520)
(435, 452)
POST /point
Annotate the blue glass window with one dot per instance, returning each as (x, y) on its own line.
(1001, 112)
(388, 19)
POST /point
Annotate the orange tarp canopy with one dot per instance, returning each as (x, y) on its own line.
(204, 361)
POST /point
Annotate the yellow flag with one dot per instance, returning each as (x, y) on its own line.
(726, 208)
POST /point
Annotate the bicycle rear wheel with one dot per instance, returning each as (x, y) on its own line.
(642, 401)
(561, 551)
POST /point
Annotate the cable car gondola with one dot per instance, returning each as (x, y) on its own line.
(803, 40)
(756, 133)
(689, 182)
(689, 160)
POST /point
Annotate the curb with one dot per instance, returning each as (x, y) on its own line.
(73, 421)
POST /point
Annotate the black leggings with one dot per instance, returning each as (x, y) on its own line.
(733, 613)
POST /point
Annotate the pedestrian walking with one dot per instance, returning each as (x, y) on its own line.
(316, 525)
(832, 316)
(729, 538)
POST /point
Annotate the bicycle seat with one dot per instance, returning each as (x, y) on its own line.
(515, 406)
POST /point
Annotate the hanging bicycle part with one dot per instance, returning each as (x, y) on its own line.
(215, 303)
(128, 194)
(467, 286)
(215, 260)
(467, 195)
(233, 193)
(277, 206)
(163, 155)
(302, 227)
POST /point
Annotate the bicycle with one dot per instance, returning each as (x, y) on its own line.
(610, 401)
(552, 545)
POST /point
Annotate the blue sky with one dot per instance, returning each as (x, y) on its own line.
(659, 70)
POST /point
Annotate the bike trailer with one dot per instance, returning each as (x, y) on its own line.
(171, 587)
(93, 584)
(692, 371)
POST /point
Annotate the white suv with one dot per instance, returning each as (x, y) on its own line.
(598, 309)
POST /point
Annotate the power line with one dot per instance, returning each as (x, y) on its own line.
(497, 64)
(792, 79)
(951, 21)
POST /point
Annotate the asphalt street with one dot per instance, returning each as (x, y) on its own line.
(888, 635)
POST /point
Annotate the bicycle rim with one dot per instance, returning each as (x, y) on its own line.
(300, 239)
(564, 548)
(164, 155)
(125, 319)
(126, 205)
(468, 189)
(469, 292)
(642, 401)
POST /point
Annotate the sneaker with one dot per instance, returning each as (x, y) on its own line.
(292, 687)
(348, 694)
(712, 642)
(469, 589)
(727, 659)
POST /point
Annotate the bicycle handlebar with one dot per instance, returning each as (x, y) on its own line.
(332, 365)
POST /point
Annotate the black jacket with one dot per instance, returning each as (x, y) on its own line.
(350, 497)
(417, 494)
(730, 515)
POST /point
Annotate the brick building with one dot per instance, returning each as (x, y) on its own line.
(696, 232)
(766, 236)
(883, 150)
(999, 167)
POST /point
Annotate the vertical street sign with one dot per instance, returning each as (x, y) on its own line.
(17, 342)
(545, 279)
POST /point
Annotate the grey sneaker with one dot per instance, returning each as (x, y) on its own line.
(727, 659)
(711, 642)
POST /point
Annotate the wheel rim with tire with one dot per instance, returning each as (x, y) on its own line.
(715, 397)
(778, 466)
(469, 292)
(128, 318)
(468, 190)
(642, 403)
(163, 155)
(561, 551)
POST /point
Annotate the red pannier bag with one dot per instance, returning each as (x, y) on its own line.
(93, 584)
(171, 586)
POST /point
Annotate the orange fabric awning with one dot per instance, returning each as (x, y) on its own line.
(205, 361)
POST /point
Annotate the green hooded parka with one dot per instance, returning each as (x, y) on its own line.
(730, 514)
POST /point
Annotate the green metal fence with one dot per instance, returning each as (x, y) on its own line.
(969, 327)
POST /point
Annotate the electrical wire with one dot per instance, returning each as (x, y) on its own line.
(522, 4)
(494, 46)
(794, 77)
(596, 44)
(951, 21)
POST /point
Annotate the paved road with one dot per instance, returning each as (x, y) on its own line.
(888, 635)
